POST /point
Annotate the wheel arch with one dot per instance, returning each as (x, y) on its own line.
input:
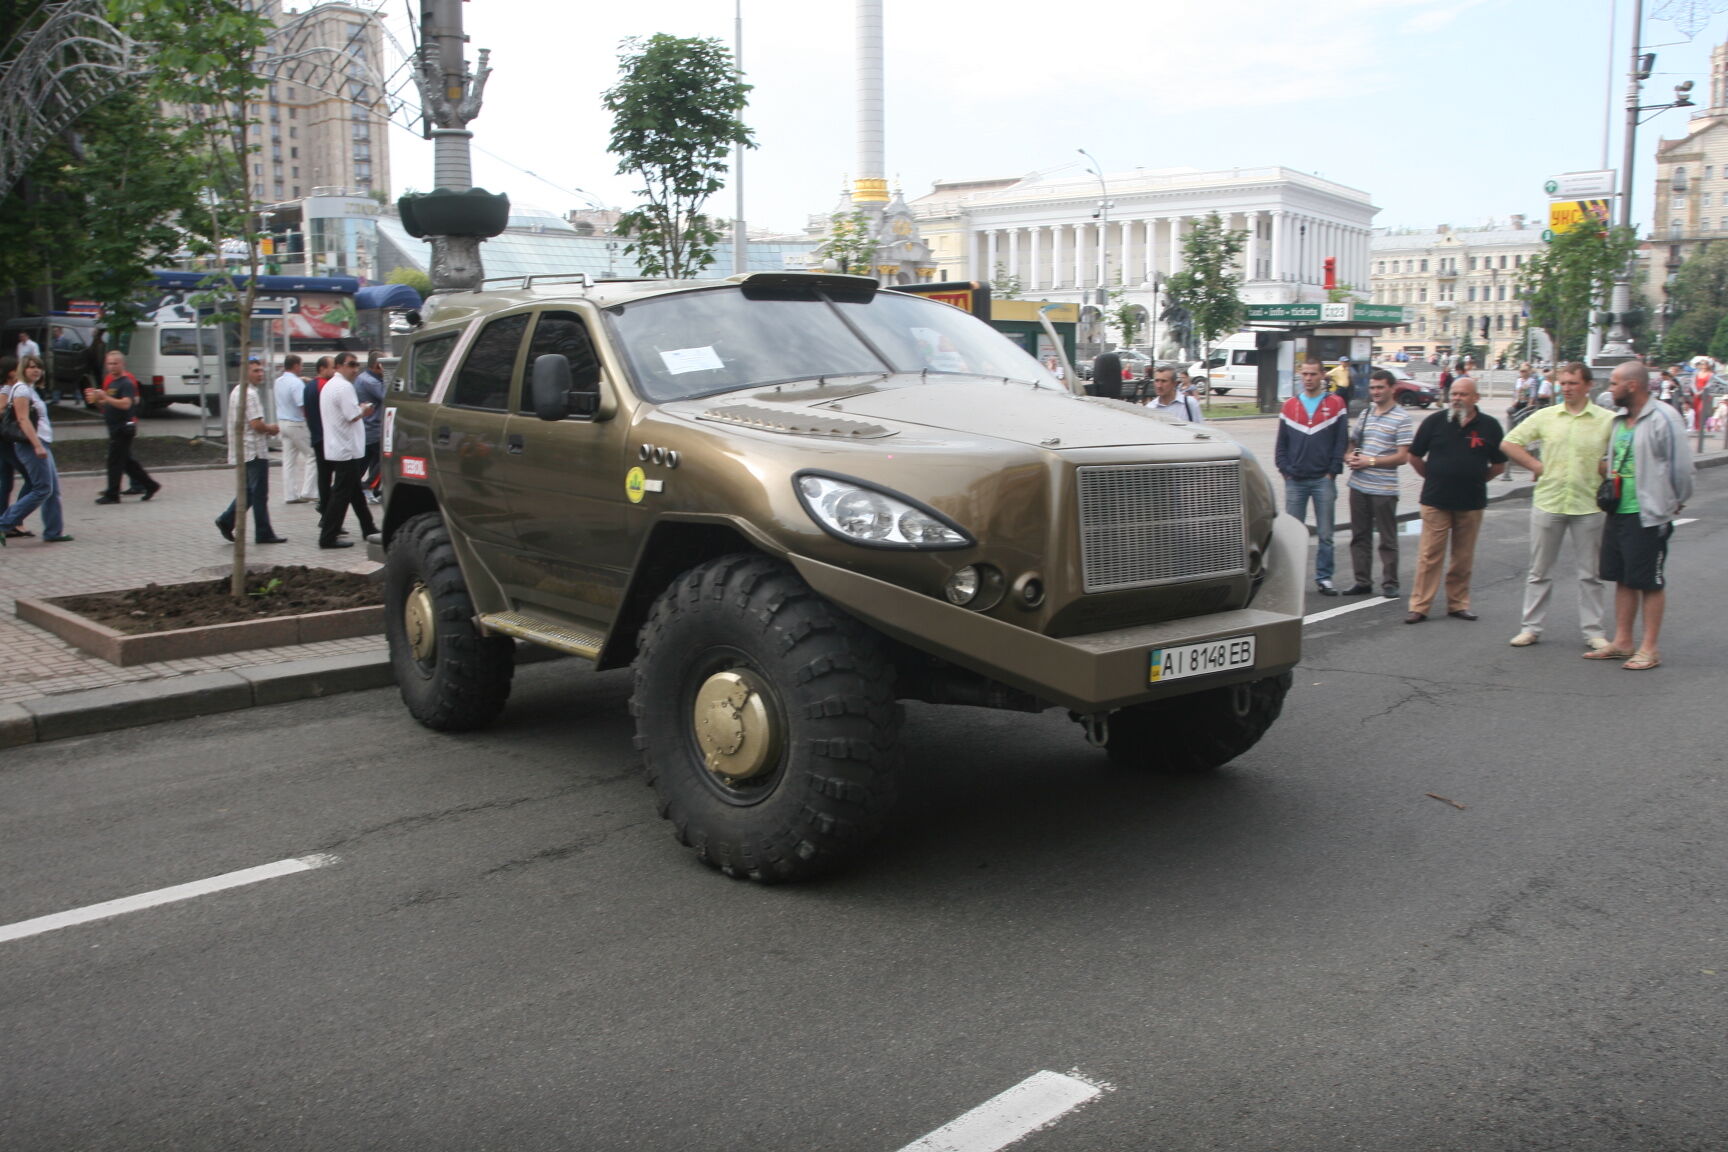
(673, 547)
(406, 502)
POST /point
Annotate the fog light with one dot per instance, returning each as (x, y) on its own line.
(1032, 592)
(962, 586)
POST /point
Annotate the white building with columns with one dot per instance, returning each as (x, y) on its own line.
(1063, 237)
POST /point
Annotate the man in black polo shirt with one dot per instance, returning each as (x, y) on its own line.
(119, 401)
(1456, 452)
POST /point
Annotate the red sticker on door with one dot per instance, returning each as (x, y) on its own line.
(414, 467)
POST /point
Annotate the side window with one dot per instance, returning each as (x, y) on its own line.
(426, 363)
(562, 333)
(484, 379)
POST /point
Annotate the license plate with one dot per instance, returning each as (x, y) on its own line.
(1185, 660)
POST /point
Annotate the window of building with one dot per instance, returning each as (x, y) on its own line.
(363, 171)
(1502, 261)
(1423, 267)
(1709, 171)
(257, 169)
(293, 153)
(1472, 263)
(296, 172)
(293, 113)
(1517, 261)
(362, 151)
(1678, 204)
(296, 190)
(1422, 295)
(1470, 293)
(1500, 292)
(1500, 323)
(293, 133)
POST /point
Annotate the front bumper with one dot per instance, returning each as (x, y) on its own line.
(1090, 673)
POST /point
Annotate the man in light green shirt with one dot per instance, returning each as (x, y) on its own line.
(1573, 436)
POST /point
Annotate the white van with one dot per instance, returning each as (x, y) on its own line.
(164, 355)
(1234, 365)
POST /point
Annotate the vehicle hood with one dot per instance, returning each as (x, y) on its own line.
(1012, 412)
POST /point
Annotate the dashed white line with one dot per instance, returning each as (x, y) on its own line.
(1371, 602)
(1036, 1102)
(144, 900)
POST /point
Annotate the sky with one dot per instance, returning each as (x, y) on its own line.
(1443, 111)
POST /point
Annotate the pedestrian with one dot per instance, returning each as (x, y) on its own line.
(1650, 460)
(9, 470)
(1545, 389)
(1524, 388)
(369, 389)
(1445, 384)
(1167, 397)
(298, 483)
(26, 347)
(35, 458)
(1456, 452)
(343, 416)
(1380, 442)
(1338, 379)
(309, 404)
(1312, 433)
(256, 453)
(1573, 435)
(118, 400)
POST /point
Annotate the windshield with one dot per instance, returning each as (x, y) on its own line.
(701, 343)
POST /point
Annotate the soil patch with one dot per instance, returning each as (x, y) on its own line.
(150, 451)
(285, 590)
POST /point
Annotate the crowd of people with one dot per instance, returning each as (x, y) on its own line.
(330, 423)
(1611, 479)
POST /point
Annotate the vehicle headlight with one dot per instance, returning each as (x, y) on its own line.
(854, 511)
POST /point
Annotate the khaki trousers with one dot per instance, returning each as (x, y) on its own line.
(1442, 528)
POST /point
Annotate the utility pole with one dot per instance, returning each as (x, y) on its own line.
(740, 236)
(450, 95)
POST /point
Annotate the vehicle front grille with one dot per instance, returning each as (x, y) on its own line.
(1143, 524)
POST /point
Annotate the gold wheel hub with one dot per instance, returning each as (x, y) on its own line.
(420, 621)
(735, 728)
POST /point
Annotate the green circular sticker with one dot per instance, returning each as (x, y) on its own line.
(634, 482)
(1552, 187)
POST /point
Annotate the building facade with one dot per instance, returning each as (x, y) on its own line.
(1064, 238)
(323, 121)
(1690, 208)
(1453, 280)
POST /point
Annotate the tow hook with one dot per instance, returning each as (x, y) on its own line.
(1097, 725)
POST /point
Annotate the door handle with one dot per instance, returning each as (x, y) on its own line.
(443, 438)
(513, 443)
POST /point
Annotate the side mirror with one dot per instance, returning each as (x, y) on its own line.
(558, 392)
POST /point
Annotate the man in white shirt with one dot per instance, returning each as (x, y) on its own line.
(297, 459)
(343, 417)
(256, 450)
(26, 347)
(1167, 399)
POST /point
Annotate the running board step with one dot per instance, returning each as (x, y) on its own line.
(562, 637)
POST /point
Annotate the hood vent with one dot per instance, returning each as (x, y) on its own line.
(800, 423)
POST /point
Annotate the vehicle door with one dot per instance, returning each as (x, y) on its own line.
(467, 442)
(568, 484)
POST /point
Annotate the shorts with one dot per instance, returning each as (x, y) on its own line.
(1632, 554)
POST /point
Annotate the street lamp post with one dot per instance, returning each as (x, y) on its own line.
(1103, 214)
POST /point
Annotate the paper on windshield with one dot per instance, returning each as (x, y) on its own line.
(681, 360)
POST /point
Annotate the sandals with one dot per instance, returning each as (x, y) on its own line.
(1642, 662)
(1608, 654)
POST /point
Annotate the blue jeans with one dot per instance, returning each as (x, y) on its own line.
(41, 489)
(257, 499)
(1323, 491)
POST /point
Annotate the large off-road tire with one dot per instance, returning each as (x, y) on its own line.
(766, 719)
(1199, 732)
(452, 678)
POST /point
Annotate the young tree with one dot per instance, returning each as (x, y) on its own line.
(205, 57)
(1005, 285)
(1208, 285)
(1564, 282)
(850, 244)
(675, 113)
(1126, 318)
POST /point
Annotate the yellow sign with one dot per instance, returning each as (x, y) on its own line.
(634, 485)
(1565, 214)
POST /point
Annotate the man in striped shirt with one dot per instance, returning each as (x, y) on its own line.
(1380, 442)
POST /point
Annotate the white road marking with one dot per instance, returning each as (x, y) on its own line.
(1686, 520)
(161, 896)
(1036, 1102)
(1367, 602)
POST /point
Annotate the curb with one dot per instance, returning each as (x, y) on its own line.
(96, 710)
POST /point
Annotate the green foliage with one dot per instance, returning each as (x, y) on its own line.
(1003, 285)
(96, 210)
(1126, 318)
(1563, 284)
(412, 277)
(1698, 301)
(271, 588)
(1341, 293)
(1718, 349)
(676, 111)
(850, 244)
(1209, 284)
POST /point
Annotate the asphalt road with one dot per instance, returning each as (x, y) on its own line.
(1303, 951)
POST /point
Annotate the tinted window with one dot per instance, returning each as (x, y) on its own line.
(184, 341)
(426, 363)
(561, 333)
(484, 380)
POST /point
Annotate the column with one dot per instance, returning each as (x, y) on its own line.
(1175, 244)
(989, 255)
(1056, 256)
(1149, 237)
(1251, 254)
(1034, 273)
(1014, 253)
(1079, 256)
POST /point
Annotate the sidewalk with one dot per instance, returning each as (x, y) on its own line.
(50, 690)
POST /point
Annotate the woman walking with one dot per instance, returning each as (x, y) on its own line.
(35, 459)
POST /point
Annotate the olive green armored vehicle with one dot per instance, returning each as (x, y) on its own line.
(790, 501)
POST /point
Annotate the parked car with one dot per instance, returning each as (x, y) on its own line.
(71, 346)
(1409, 391)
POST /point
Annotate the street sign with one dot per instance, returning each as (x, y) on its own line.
(1547, 235)
(1342, 312)
(1579, 185)
(1565, 214)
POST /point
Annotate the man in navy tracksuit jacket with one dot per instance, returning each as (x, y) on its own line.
(1313, 431)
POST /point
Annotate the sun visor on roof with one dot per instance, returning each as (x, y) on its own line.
(806, 286)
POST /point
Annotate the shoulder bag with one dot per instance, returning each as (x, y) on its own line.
(1608, 492)
(11, 430)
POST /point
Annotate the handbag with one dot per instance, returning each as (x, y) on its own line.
(1608, 493)
(11, 430)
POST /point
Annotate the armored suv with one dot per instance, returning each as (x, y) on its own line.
(791, 501)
